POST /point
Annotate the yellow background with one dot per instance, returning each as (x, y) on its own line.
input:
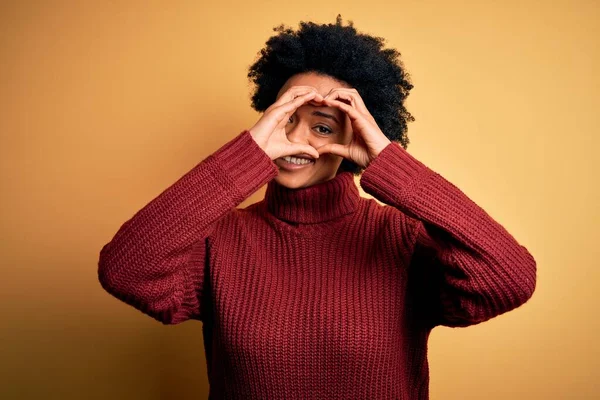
(105, 105)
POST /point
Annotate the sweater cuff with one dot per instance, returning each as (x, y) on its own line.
(394, 176)
(243, 166)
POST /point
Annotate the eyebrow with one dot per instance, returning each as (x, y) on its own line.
(325, 115)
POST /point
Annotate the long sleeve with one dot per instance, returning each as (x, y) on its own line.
(156, 260)
(465, 268)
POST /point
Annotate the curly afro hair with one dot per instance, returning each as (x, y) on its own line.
(346, 55)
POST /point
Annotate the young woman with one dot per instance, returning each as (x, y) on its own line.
(315, 292)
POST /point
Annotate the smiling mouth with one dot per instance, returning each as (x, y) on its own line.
(298, 160)
(292, 163)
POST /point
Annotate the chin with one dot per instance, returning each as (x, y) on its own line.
(309, 175)
(293, 182)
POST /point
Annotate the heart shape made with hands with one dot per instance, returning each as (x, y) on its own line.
(367, 139)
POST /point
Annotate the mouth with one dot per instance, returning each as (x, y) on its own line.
(295, 162)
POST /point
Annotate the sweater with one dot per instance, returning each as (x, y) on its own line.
(315, 293)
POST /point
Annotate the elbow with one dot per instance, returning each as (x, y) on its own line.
(524, 279)
(117, 280)
(495, 297)
(516, 289)
(104, 271)
(108, 271)
(111, 279)
(161, 299)
(511, 288)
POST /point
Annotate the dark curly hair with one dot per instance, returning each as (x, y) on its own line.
(346, 55)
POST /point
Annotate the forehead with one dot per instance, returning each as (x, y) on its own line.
(323, 83)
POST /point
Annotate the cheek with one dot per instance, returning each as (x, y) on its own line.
(329, 160)
(318, 141)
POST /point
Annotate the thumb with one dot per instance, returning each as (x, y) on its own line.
(295, 148)
(336, 149)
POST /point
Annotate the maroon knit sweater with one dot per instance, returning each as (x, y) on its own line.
(316, 293)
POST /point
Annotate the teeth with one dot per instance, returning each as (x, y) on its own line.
(296, 160)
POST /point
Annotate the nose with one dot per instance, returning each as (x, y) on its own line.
(298, 132)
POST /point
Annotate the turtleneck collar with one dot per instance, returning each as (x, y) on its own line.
(318, 203)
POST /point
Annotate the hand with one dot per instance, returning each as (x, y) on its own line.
(269, 132)
(367, 139)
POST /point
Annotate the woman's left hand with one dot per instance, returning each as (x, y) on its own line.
(367, 139)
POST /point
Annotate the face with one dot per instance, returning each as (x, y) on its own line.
(315, 125)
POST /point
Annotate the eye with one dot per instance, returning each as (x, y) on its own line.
(290, 119)
(322, 129)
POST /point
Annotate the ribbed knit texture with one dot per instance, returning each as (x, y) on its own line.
(316, 293)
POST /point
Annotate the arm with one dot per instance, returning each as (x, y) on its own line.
(156, 260)
(466, 268)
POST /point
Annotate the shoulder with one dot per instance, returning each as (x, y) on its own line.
(241, 217)
(370, 207)
(387, 217)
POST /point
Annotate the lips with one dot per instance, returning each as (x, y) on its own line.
(294, 162)
(303, 155)
(297, 160)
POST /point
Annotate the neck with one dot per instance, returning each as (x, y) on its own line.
(314, 204)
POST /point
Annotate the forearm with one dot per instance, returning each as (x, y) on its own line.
(486, 270)
(148, 261)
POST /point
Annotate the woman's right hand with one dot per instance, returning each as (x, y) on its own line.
(269, 132)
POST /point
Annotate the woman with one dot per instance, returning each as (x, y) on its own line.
(315, 292)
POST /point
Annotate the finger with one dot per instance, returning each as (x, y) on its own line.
(296, 148)
(292, 93)
(336, 149)
(336, 94)
(284, 111)
(352, 112)
(342, 95)
(358, 100)
(317, 101)
(350, 95)
(287, 98)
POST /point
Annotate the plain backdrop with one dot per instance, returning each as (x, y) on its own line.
(105, 104)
